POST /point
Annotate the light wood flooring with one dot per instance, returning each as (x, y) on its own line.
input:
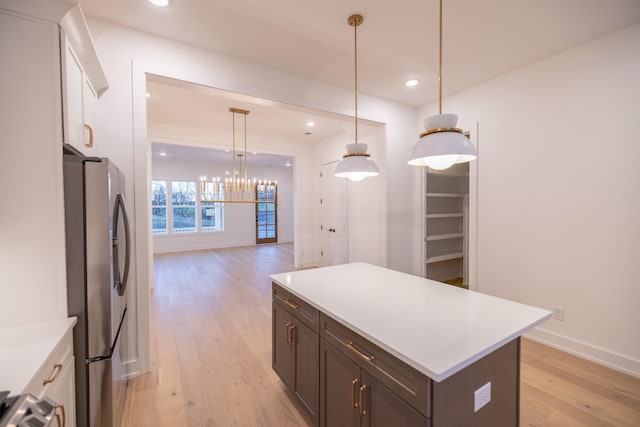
(211, 355)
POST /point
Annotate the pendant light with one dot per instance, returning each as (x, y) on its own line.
(442, 144)
(356, 165)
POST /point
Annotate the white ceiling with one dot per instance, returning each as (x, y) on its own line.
(397, 41)
(181, 104)
(163, 151)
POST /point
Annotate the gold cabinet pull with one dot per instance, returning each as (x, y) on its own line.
(363, 411)
(359, 353)
(353, 393)
(90, 129)
(288, 327)
(56, 371)
(292, 304)
(61, 415)
(292, 334)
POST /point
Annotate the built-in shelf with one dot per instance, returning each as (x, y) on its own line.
(444, 236)
(446, 174)
(446, 200)
(445, 215)
(444, 257)
(445, 195)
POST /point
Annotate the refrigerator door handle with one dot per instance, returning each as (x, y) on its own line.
(120, 282)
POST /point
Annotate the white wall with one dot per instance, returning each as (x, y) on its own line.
(32, 235)
(127, 55)
(366, 210)
(559, 193)
(239, 219)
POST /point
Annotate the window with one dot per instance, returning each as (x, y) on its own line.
(159, 206)
(210, 212)
(176, 208)
(266, 214)
(211, 216)
(183, 199)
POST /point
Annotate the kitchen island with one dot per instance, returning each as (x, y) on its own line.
(364, 345)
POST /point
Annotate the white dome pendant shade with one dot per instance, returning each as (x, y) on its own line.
(441, 145)
(356, 165)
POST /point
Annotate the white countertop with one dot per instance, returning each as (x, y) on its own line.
(438, 329)
(23, 350)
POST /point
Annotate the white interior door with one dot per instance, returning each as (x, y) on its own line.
(333, 217)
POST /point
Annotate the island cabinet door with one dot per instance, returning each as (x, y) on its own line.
(305, 345)
(339, 388)
(381, 407)
(350, 396)
(296, 358)
(282, 355)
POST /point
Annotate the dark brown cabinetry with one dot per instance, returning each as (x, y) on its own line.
(367, 385)
(343, 379)
(296, 350)
(350, 396)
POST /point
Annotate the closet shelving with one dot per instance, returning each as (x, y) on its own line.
(446, 212)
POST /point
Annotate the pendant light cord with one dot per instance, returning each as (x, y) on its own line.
(355, 40)
(440, 71)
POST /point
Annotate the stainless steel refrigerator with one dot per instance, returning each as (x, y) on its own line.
(98, 254)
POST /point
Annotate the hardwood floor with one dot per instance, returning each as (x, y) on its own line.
(559, 389)
(211, 355)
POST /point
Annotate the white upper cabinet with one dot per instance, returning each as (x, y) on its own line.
(79, 101)
(82, 77)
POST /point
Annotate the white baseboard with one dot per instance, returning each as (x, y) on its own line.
(201, 247)
(598, 355)
(307, 263)
(131, 369)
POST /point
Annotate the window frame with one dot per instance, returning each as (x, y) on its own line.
(165, 231)
(217, 206)
(169, 207)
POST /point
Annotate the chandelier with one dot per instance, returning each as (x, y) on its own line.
(238, 188)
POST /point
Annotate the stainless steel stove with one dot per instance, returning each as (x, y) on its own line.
(26, 410)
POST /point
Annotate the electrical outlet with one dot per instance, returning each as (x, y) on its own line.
(558, 313)
(481, 397)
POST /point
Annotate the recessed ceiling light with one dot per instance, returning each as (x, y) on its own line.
(411, 82)
(161, 3)
(148, 95)
(311, 124)
(163, 154)
(226, 150)
(254, 153)
(288, 164)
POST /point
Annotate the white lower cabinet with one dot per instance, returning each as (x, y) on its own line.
(62, 391)
(56, 380)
